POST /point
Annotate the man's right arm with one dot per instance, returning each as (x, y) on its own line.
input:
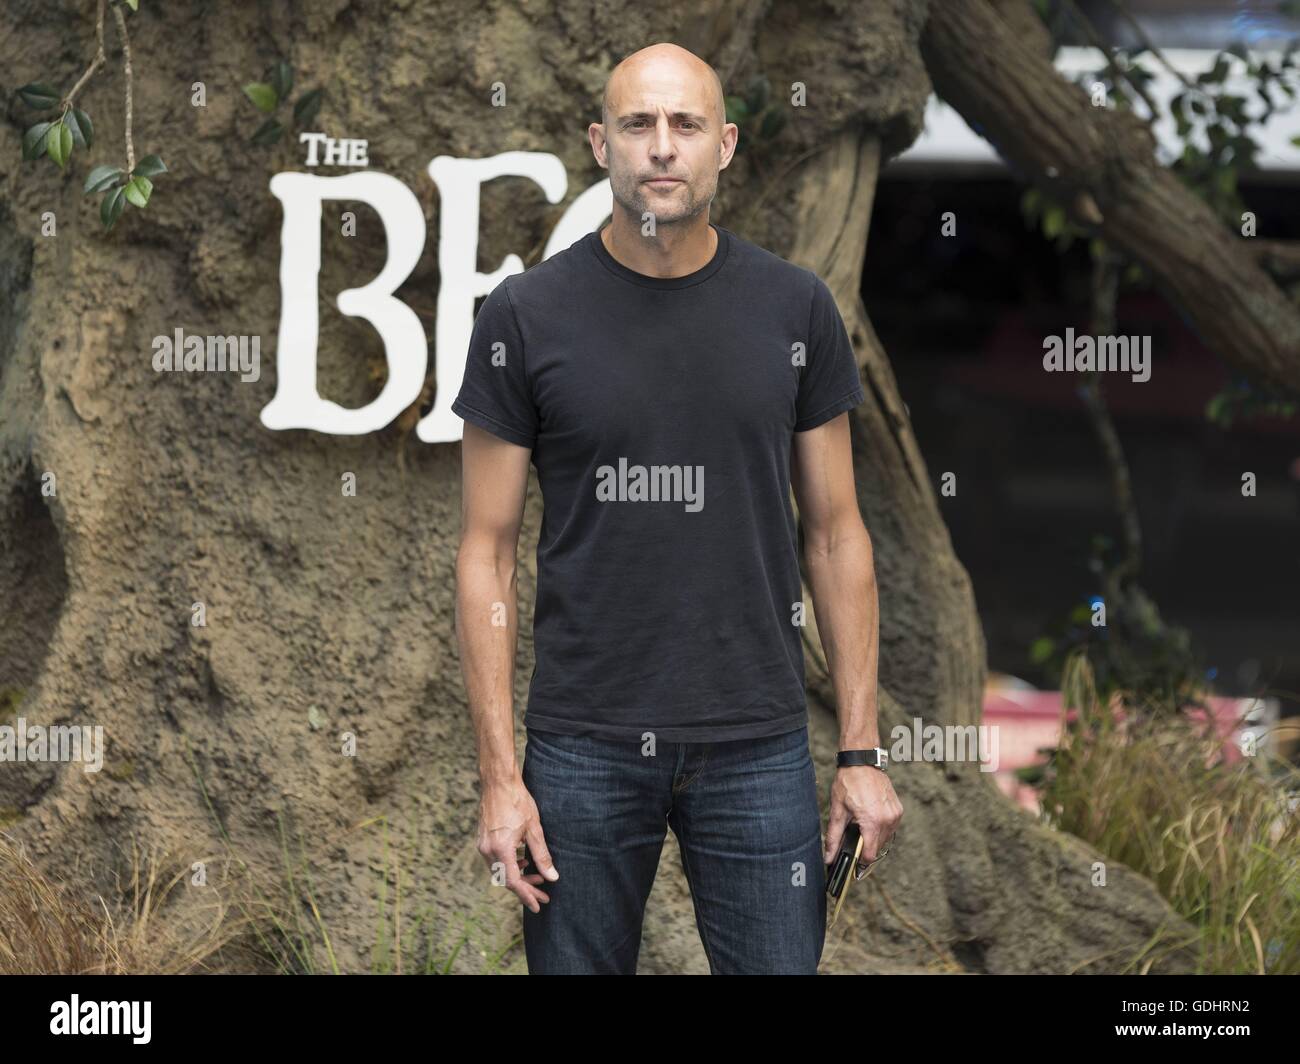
(494, 483)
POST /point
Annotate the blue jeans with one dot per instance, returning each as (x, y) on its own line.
(747, 820)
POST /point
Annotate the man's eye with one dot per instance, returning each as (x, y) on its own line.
(688, 123)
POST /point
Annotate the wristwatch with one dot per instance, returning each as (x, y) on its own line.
(875, 757)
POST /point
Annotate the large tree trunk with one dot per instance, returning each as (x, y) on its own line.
(171, 492)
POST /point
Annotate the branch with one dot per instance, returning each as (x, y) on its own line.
(1116, 74)
(1281, 258)
(1047, 129)
(740, 41)
(95, 63)
(1105, 288)
(1136, 26)
(126, 53)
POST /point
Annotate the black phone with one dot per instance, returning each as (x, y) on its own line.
(839, 870)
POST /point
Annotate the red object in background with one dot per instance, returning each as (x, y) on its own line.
(1029, 720)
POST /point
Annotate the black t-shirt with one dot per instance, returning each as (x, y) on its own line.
(661, 413)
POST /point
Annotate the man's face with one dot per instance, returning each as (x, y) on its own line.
(663, 142)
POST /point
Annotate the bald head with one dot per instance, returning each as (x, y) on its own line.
(660, 68)
(663, 136)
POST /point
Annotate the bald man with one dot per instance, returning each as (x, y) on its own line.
(671, 382)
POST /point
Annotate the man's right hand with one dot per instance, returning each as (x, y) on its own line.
(508, 818)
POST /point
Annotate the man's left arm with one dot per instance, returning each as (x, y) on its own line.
(837, 549)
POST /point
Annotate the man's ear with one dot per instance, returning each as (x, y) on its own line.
(596, 138)
(727, 146)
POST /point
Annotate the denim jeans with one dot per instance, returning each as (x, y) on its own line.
(747, 820)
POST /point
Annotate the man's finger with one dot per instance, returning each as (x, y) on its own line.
(529, 895)
(537, 852)
(835, 826)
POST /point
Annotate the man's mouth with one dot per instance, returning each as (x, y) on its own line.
(664, 181)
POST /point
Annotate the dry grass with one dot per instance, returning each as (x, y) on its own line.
(1219, 840)
(49, 928)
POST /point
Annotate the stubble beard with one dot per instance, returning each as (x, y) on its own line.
(632, 196)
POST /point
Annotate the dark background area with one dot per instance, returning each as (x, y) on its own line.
(963, 320)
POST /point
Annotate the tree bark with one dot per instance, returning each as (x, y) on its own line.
(1099, 163)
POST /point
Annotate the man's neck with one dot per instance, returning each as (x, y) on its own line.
(674, 251)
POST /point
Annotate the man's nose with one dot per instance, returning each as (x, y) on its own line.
(662, 146)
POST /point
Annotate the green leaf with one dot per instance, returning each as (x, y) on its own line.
(137, 191)
(304, 111)
(34, 140)
(58, 143)
(83, 122)
(149, 166)
(268, 132)
(1053, 221)
(1295, 142)
(39, 97)
(262, 95)
(101, 178)
(737, 110)
(70, 120)
(134, 5)
(281, 80)
(111, 209)
(1041, 649)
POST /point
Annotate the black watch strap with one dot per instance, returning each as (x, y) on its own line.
(876, 758)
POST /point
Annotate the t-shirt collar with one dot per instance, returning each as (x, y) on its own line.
(645, 280)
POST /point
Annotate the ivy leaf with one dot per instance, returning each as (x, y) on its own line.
(304, 111)
(101, 178)
(1053, 221)
(58, 143)
(737, 110)
(74, 127)
(34, 140)
(87, 129)
(39, 97)
(111, 209)
(281, 80)
(149, 166)
(262, 95)
(134, 5)
(137, 191)
(268, 132)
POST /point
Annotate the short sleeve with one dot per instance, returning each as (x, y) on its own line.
(829, 382)
(495, 394)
